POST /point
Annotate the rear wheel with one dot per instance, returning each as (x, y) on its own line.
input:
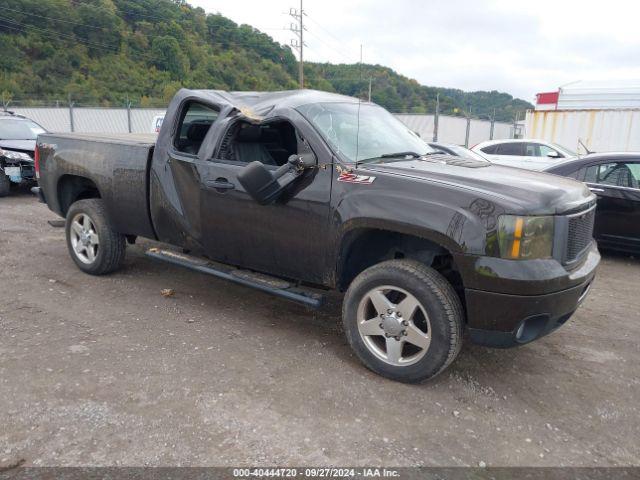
(403, 320)
(5, 185)
(93, 245)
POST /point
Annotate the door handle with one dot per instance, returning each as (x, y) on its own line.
(220, 184)
(594, 189)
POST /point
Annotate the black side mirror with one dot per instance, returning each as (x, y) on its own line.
(265, 186)
(303, 160)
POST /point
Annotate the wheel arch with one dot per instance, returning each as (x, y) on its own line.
(364, 246)
(71, 188)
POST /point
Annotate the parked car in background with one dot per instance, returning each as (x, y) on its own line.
(615, 179)
(17, 144)
(524, 153)
(457, 151)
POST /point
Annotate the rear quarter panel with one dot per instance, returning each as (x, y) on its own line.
(118, 167)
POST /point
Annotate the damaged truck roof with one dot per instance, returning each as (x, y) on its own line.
(258, 105)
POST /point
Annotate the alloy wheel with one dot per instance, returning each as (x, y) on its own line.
(84, 238)
(394, 325)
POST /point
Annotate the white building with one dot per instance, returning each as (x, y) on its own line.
(603, 116)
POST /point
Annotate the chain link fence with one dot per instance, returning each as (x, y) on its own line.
(94, 119)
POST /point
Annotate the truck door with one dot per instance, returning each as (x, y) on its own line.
(289, 238)
(175, 193)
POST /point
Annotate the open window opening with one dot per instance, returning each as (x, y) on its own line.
(195, 121)
(270, 143)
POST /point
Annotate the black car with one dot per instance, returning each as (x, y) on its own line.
(17, 144)
(615, 179)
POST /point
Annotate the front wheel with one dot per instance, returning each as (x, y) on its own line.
(403, 320)
(93, 245)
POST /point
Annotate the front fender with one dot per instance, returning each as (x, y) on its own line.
(458, 229)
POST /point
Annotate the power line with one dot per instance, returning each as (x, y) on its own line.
(130, 12)
(328, 46)
(338, 41)
(52, 18)
(110, 48)
(101, 46)
(257, 31)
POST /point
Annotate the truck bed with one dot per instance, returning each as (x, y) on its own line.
(133, 139)
(118, 166)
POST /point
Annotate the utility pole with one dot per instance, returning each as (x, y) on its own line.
(5, 103)
(129, 114)
(71, 122)
(466, 137)
(493, 122)
(436, 118)
(370, 79)
(298, 43)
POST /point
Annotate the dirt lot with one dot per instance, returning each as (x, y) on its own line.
(107, 371)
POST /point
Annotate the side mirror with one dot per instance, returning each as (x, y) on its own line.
(553, 154)
(303, 160)
(265, 186)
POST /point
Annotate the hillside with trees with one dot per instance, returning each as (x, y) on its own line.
(108, 52)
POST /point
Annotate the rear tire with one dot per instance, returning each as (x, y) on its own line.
(93, 245)
(5, 185)
(403, 320)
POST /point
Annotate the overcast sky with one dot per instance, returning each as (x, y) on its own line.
(514, 46)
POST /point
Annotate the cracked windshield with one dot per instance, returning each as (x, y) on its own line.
(362, 132)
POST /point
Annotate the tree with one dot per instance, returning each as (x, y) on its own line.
(168, 56)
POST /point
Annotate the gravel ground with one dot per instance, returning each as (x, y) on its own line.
(107, 371)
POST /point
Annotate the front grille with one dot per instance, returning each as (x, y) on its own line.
(579, 233)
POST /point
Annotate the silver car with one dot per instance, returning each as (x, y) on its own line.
(524, 153)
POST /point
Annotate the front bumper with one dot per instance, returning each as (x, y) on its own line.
(499, 319)
(19, 172)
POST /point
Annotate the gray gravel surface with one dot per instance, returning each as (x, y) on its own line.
(108, 371)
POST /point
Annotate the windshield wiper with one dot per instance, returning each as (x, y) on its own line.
(401, 154)
(391, 155)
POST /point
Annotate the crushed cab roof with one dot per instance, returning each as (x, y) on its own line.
(263, 102)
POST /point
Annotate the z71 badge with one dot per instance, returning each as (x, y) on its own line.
(353, 178)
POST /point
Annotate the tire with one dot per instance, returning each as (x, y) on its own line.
(5, 185)
(411, 346)
(93, 245)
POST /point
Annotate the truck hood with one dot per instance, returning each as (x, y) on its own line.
(517, 190)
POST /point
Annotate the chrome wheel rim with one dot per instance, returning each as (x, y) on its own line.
(84, 238)
(394, 325)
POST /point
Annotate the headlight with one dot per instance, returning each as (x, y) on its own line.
(525, 238)
(14, 155)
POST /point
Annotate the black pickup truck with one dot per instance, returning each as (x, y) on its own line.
(295, 192)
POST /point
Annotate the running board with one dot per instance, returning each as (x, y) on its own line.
(264, 283)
